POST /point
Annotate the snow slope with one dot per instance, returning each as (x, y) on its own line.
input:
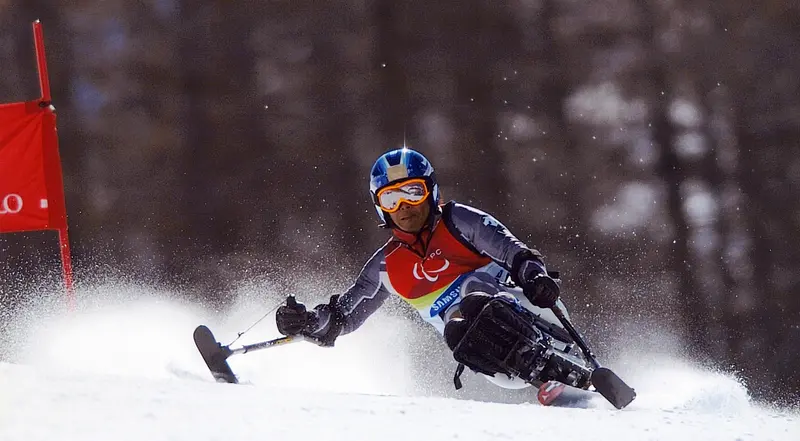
(126, 369)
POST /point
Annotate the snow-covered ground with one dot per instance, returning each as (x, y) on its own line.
(126, 369)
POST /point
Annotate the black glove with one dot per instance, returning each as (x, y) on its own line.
(529, 273)
(293, 318)
(542, 291)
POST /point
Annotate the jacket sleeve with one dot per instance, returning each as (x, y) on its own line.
(491, 238)
(347, 311)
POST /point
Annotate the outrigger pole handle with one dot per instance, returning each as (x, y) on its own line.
(272, 343)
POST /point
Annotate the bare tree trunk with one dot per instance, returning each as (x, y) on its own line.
(477, 107)
(395, 109)
(760, 249)
(340, 177)
(691, 305)
(196, 212)
(238, 125)
(553, 99)
(719, 182)
(199, 234)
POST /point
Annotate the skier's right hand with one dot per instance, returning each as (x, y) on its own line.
(293, 318)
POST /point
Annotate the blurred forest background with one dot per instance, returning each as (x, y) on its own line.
(649, 148)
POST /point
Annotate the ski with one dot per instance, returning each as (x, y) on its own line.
(557, 394)
(604, 380)
(215, 355)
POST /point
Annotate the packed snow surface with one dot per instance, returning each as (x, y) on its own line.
(127, 369)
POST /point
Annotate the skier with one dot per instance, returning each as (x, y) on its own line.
(447, 261)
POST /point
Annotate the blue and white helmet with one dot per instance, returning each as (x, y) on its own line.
(399, 165)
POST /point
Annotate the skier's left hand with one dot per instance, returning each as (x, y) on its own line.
(542, 291)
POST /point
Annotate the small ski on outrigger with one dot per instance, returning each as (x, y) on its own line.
(604, 380)
(216, 354)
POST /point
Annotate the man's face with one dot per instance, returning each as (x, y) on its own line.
(411, 218)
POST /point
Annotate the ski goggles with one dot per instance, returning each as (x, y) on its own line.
(412, 192)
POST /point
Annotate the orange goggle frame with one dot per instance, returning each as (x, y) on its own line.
(412, 192)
